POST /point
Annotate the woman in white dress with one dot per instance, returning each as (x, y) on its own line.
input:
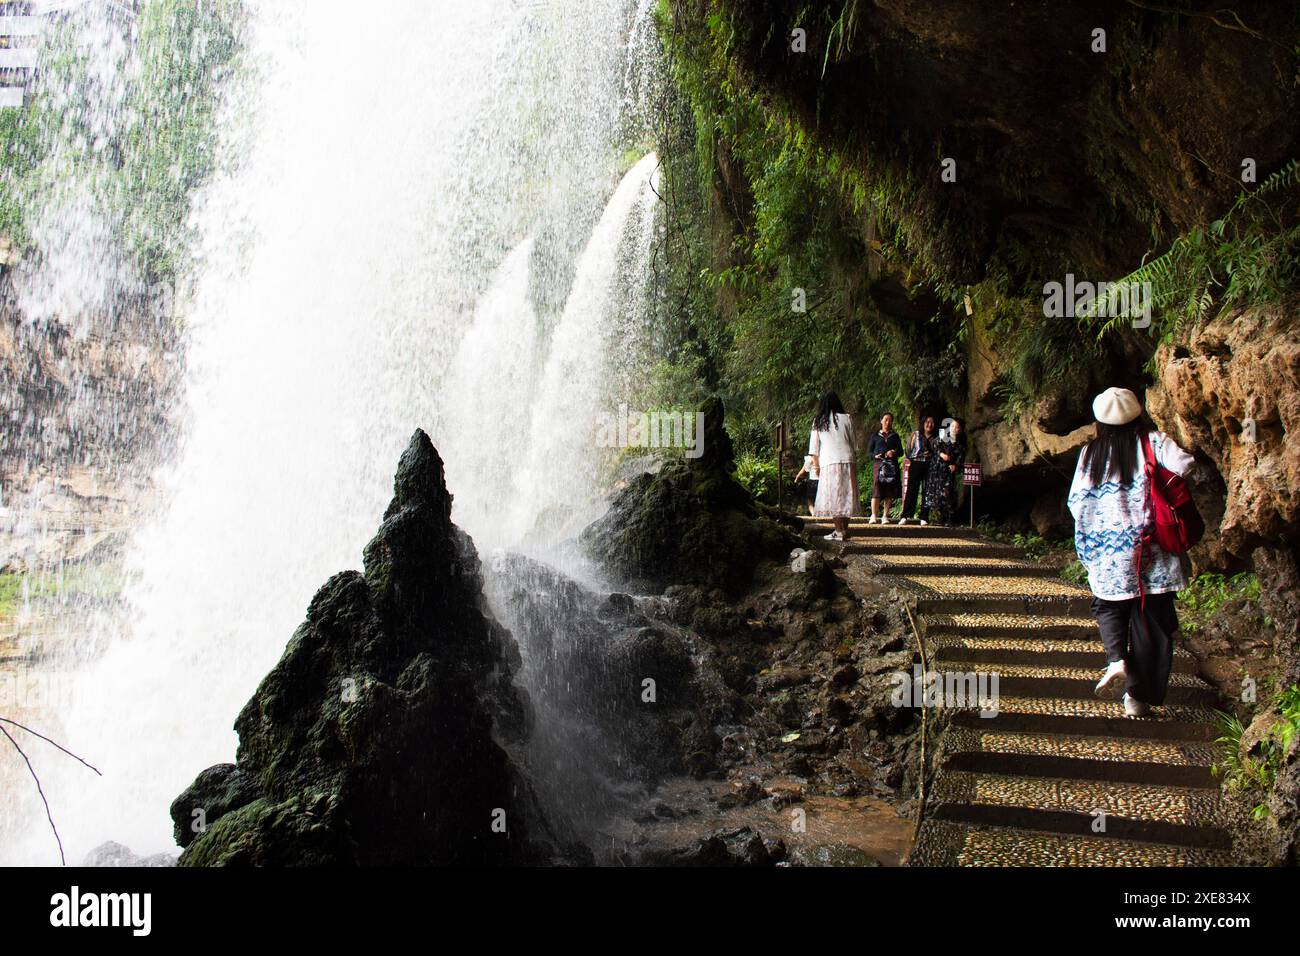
(831, 446)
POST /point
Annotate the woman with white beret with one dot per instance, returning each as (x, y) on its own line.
(1108, 499)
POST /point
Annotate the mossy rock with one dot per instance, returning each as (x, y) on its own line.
(690, 523)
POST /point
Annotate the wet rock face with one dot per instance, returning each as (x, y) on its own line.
(1242, 367)
(374, 740)
(691, 523)
(629, 696)
(1222, 384)
(85, 402)
(1280, 600)
(1284, 808)
(742, 846)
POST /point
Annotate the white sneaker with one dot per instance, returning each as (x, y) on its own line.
(924, 522)
(873, 520)
(902, 521)
(1111, 685)
(833, 536)
(1135, 708)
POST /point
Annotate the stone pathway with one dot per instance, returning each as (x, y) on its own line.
(1055, 776)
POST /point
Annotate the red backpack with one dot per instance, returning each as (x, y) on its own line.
(1176, 525)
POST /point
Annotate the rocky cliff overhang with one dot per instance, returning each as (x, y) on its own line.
(1080, 155)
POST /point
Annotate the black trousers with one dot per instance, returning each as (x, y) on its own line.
(1143, 639)
(915, 486)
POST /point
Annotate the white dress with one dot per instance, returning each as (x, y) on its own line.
(837, 489)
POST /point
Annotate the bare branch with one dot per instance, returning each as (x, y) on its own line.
(1238, 27)
(49, 816)
(52, 743)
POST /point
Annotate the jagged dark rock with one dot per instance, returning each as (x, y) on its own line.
(739, 847)
(593, 658)
(374, 740)
(214, 793)
(691, 522)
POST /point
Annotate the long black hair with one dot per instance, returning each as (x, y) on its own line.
(828, 410)
(1114, 452)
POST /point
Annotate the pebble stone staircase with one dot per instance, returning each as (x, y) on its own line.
(1057, 776)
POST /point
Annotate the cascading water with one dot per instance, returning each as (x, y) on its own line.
(552, 483)
(418, 230)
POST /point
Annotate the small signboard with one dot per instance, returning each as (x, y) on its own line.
(972, 474)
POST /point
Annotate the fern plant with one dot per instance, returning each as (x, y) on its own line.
(1248, 254)
(1246, 773)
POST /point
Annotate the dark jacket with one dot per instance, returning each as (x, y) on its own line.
(880, 444)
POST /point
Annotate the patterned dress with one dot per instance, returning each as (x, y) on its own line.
(1109, 519)
(941, 482)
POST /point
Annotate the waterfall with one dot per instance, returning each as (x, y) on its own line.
(552, 484)
(421, 223)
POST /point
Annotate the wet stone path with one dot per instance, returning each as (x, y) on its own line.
(1051, 775)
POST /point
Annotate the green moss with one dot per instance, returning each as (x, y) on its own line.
(70, 582)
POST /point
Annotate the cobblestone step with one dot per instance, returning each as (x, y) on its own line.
(979, 588)
(1082, 680)
(1094, 707)
(1184, 806)
(1104, 749)
(1063, 604)
(989, 652)
(1028, 782)
(965, 565)
(859, 527)
(960, 843)
(1068, 824)
(1114, 770)
(1161, 727)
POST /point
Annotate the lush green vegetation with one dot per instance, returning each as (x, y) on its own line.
(1250, 254)
(763, 208)
(1207, 593)
(758, 475)
(143, 165)
(768, 267)
(1254, 772)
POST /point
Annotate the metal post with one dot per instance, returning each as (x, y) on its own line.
(780, 456)
(972, 506)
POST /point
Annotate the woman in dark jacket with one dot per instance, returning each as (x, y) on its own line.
(886, 450)
(945, 471)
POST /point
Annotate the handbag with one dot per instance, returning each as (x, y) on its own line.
(1175, 523)
(888, 471)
